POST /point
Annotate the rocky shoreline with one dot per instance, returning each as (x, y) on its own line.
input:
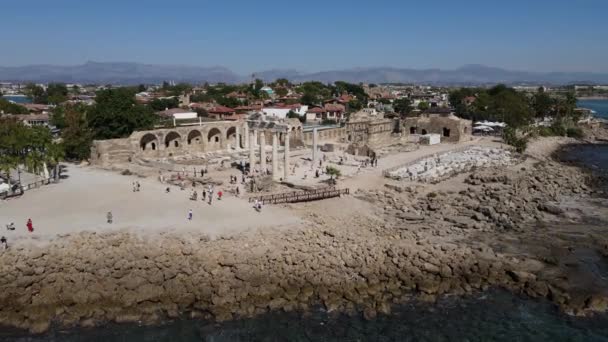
(489, 230)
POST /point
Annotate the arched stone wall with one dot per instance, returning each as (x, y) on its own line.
(149, 142)
(195, 137)
(214, 139)
(173, 140)
(231, 137)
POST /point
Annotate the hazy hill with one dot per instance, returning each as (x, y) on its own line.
(133, 73)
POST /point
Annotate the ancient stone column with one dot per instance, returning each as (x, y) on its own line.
(275, 155)
(263, 152)
(251, 152)
(246, 135)
(286, 169)
(237, 139)
(314, 147)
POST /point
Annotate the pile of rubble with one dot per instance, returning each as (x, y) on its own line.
(440, 167)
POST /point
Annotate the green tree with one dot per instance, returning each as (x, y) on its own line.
(116, 114)
(333, 172)
(8, 107)
(36, 93)
(76, 135)
(355, 105)
(423, 105)
(56, 93)
(162, 104)
(542, 104)
(402, 106)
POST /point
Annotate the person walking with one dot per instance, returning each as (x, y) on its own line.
(203, 195)
(190, 215)
(219, 195)
(3, 243)
(109, 217)
(210, 194)
(30, 226)
(238, 192)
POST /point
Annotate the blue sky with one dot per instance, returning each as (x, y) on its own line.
(310, 35)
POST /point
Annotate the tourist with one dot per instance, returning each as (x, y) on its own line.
(190, 215)
(167, 190)
(317, 173)
(255, 204)
(238, 191)
(203, 195)
(109, 217)
(320, 163)
(259, 206)
(202, 173)
(219, 195)
(30, 226)
(137, 186)
(210, 194)
(10, 226)
(3, 243)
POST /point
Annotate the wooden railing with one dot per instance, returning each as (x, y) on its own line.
(300, 196)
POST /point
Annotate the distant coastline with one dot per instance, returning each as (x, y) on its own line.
(605, 97)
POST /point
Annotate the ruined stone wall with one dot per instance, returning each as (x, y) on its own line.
(325, 135)
(451, 128)
(106, 152)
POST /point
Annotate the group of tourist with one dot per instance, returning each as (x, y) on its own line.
(11, 227)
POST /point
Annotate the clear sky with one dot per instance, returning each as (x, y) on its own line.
(309, 35)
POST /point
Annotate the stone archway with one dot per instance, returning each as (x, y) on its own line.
(214, 139)
(231, 137)
(148, 142)
(173, 140)
(195, 137)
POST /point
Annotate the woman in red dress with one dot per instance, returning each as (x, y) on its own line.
(30, 226)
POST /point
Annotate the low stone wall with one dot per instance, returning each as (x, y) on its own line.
(438, 167)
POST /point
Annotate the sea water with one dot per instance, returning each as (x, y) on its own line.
(600, 107)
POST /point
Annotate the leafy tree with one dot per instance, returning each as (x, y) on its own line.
(141, 88)
(116, 114)
(355, 105)
(228, 102)
(76, 135)
(353, 89)
(162, 104)
(510, 137)
(293, 115)
(314, 93)
(542, 104)
(56, 93)
(402, 106)
(281, 91)
(36, 93)
(11, 108)
(333, 173)
(423, 105)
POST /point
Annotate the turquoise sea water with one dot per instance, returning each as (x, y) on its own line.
(599, 106)
(18, 99)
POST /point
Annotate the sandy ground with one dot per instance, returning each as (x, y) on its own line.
(81, 202)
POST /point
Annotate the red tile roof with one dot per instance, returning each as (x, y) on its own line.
(221, 110)
(316, 110)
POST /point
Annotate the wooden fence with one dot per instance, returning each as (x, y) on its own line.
(300, 196)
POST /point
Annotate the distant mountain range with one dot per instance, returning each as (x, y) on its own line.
(134, 73)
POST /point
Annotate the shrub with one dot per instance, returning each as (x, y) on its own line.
(545, 132)
(431, 195)
(575, 132)
(510, 137)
